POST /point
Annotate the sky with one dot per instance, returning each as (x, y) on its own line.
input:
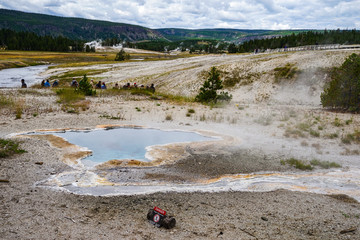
(200, 14)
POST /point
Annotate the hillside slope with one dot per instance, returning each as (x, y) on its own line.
(86, 29)
(73, 28)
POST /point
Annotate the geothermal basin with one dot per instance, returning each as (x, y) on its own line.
(131, 151)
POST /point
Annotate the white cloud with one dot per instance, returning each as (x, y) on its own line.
(242, 14)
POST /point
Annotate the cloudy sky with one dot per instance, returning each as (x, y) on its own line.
(195, 14)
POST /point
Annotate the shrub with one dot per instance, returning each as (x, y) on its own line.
(343, 91)
(297, 164)
(67, 95)
(286, 72)
(324, 164)
(5, 102)
(168, 117)
(314, 133)
(9, 148)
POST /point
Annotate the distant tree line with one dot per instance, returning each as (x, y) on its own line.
(301, 39)
(29, 41)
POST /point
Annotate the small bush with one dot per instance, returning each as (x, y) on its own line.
(5, 101)
(68, 95)
(18, 112)
(349, 121)
(324, 164)
(337, 122)
(298, 164)
(303, 127)
(168, 117)
(9, 148)
(72, 100)
(286, 72)
(314, 133)
(295, 133)
(347, 139)
(191, 111)
(332, 135)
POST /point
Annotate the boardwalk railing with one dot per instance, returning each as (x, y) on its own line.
(310, 48)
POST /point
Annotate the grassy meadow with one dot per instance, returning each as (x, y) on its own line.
(14, 59)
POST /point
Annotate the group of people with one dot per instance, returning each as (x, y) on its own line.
(99, 85)
(128, 86)
(43, 83)
(47, 84)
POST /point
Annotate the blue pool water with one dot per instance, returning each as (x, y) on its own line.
(126, 143)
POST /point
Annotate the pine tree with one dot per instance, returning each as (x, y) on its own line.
(343, 91)
(208, 92)
(85, 87)
(122, 56)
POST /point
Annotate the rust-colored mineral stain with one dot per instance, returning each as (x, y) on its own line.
(241, 176)
(70, 152)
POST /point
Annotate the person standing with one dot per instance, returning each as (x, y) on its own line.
(23, 84)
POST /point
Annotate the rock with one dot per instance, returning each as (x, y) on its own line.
(264, 219)
(353, 229)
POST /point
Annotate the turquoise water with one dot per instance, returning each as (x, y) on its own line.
(126, 143)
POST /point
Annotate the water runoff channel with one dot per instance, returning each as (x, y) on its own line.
(135, 143)
(11, 77)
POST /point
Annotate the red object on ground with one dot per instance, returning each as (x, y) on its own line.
(160, 211)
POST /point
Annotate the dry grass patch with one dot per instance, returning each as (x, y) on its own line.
(288, 71)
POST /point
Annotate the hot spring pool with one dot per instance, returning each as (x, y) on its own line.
(125, 143)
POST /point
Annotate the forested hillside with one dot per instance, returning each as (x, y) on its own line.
(73, 28)
(29, 41)
(301, 39)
